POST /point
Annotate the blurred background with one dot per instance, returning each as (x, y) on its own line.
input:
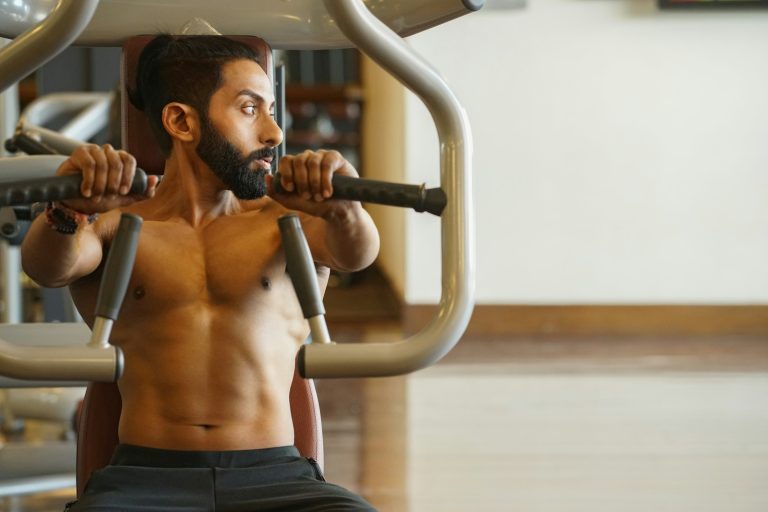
(617, 355)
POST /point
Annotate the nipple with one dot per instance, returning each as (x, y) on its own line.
(139, 292)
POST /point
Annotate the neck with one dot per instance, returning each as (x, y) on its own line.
(191, 191)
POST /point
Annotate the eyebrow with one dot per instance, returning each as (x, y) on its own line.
(258, 98)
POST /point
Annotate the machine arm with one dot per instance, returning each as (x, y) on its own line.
(457, 223)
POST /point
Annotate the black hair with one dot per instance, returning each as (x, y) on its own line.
(186, 69)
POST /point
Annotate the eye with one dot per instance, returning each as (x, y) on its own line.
(250, 110)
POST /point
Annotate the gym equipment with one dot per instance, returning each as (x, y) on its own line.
(418, 197)
(375, 39)
(287, 25)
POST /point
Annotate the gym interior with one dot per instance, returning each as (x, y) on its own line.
(614, 354)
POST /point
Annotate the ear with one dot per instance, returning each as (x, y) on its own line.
(181, 122)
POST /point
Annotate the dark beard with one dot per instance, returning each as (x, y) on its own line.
(228, 164)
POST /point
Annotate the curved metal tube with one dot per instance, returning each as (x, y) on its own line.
(286, 24)
(42, 42)
(458, 265)
(89, 113)
(60, 363)
(29, 166)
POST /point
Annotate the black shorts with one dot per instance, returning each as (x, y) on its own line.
(272, 479)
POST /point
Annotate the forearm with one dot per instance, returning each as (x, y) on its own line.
(53, 259)
(351, 238)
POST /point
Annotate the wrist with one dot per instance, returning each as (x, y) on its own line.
(66, 220)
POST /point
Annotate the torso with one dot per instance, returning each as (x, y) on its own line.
(210, 327)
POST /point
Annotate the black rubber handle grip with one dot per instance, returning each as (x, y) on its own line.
(119, 265)
(28, 144)
(301, 268)
(418, 197)
(55, 188)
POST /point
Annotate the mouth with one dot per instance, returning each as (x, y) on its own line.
(264, 163)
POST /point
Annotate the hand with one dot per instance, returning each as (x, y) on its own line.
(306, 179)
(107, 176)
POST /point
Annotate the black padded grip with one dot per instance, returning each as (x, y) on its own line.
(418, 197)
(29, 145)
(54, 188)
(117, 270)
(301, 268)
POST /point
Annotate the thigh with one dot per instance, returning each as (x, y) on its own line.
(131, 488)
(297, 486)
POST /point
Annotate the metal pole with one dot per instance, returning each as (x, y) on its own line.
(10, 287)
(457, 221)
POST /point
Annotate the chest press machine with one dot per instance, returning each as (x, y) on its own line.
(66, 360)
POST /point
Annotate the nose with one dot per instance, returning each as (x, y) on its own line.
(270, 133)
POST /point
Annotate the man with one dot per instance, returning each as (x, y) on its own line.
(210, 325)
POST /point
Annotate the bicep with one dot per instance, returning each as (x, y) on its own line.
(315, 230)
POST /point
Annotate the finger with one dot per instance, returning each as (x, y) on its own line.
(114, 172)
(332, 161)
(129, 171)
(314, 176)
(82, 160)
(300, 178)
(286, 173)
(101, 168)
(152, 182)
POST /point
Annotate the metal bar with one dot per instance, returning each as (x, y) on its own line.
(280, 111)
(102, 328)
(60, 363)
(457, 221)
(41, 43)
(28, 167)
(319, 329)
(10, 289)
(89, 121)
(8, 383)
(9, 109)
(61, 144)
(36, 484)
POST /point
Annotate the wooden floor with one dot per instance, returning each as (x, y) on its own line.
(551, 425)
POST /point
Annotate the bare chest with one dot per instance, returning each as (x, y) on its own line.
(227, 262)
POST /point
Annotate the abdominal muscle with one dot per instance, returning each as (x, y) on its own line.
(199, 382)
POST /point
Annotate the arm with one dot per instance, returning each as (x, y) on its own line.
(54, 258)
(341, 234)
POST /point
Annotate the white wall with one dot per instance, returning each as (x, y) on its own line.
(621, 153)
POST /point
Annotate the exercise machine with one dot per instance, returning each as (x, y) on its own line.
(299, 24)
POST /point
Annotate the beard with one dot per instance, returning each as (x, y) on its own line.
(230, 166)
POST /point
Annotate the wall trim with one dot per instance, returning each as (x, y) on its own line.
(598, 320)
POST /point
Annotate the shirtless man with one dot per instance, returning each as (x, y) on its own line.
(210, 326)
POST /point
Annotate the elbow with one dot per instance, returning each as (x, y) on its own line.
(42, 278)
(362, 256)
(41, 273)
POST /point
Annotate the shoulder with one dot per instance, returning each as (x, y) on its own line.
(268, 208)
(106, 224)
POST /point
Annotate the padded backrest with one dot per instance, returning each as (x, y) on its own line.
(137, 135)
(100, 413)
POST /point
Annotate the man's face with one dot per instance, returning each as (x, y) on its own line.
(239, 133)
(230, 165)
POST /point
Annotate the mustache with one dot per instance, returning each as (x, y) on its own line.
(259, 154)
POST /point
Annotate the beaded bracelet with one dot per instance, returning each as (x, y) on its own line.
(66, 220)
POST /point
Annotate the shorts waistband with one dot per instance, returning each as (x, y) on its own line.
(133, 455)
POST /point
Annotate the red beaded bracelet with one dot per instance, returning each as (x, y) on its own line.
(66, 220)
